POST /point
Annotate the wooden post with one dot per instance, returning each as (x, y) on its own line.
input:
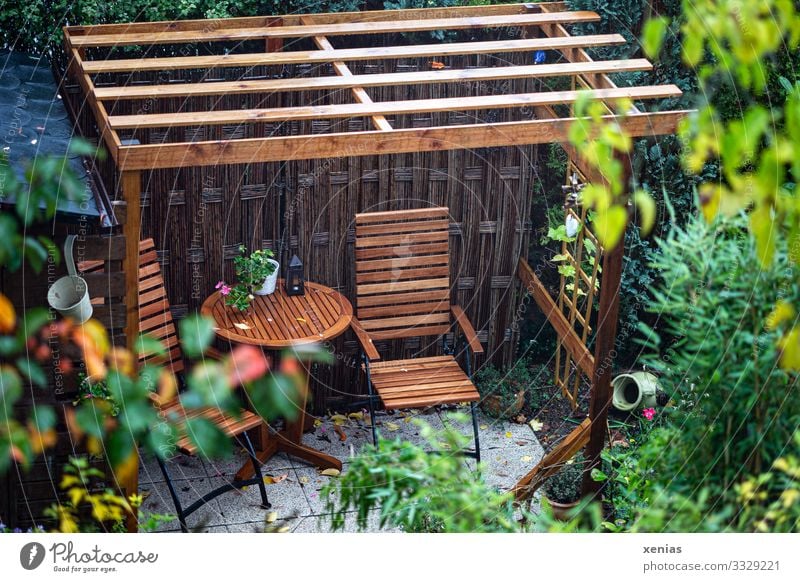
(130, 190)
(607, 315)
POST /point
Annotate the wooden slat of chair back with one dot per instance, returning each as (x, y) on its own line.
(155, 317)
(403, 273)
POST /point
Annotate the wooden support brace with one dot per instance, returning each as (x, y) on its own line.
(360, 94)
(553, 461)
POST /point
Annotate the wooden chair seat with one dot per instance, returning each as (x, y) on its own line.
(422, 382)
(231, 425)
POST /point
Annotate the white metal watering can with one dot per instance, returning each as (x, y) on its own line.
(70, 295)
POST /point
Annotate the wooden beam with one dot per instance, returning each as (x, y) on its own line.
(130, 185)
(367, 143)
(360, 95)
(219, 34)
(565, 331)
(553, 461)
(98, 109)
(607, 316)
(358, 54)
(556, 30)
(294, 19)
(369, 108)
(373, 80)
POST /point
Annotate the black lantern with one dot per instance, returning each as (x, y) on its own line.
(294, 277)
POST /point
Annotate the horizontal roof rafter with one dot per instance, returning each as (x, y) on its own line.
(357, 54)
(238, 116)
(371, 80)
(215, 34)
(365, 143)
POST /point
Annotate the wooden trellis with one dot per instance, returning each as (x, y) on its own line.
(578, 289)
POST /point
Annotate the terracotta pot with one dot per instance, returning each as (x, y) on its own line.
(493, 405)
(561, 511)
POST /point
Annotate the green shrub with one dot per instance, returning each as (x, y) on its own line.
(565, 486)
(418, 490)
(736, 410)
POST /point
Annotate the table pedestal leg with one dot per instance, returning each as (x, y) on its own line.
(290, 441)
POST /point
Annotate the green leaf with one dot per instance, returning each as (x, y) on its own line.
(209, 439)
(32, 371)
(764, 230)
(653, 34)
(44, 418)
(647, 210)
(147, 345)
(197, 333)
(274, 396)
(609, 226)
(10, 391)
(598, 475)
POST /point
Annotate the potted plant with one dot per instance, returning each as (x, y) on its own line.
(563, 490)
(259, 270)
(257, 273)
(503, 392)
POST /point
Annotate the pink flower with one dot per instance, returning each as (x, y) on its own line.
(219, 284)
(649, 413)
(224, 289)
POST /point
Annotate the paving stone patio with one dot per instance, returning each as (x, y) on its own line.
(508, 451)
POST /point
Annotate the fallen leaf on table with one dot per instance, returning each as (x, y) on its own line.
(301, 319)
(392, 426)
(520, 419)
(330, 472)
(356, 415)
(272, 516)
(304, 480)
(508, 434)
(270, 480)
(242, 326)
(340, 432)
(283, 529)
(483, 426)
(338, 419)
(317, 423)
(527, 459)
(536, 424)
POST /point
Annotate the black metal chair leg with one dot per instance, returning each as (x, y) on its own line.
(475, 431)
(174, 495)
(257, 467)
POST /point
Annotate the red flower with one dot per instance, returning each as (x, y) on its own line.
(649, 413)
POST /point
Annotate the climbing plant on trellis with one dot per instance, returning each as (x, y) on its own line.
(579, 267)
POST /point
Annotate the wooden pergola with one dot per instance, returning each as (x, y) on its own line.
(533, 27)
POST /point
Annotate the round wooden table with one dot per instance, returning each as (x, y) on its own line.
(276, 322)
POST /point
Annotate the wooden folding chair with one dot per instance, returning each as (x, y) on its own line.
(155, 319)
(403, 290)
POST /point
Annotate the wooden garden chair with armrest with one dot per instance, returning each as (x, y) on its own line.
(155, 319)
(403, 290)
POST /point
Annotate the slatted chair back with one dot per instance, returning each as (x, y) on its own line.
(403, 273)
(155, 317)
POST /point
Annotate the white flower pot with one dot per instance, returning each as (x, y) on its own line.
(269, 283)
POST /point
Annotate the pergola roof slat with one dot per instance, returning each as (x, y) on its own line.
(370, 80)
(385, 108)
(344, 55)
(364, 143)
(212, 34)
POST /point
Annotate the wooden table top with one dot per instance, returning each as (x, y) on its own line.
(279, 321)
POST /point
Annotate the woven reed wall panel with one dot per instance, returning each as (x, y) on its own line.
(199, 216)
